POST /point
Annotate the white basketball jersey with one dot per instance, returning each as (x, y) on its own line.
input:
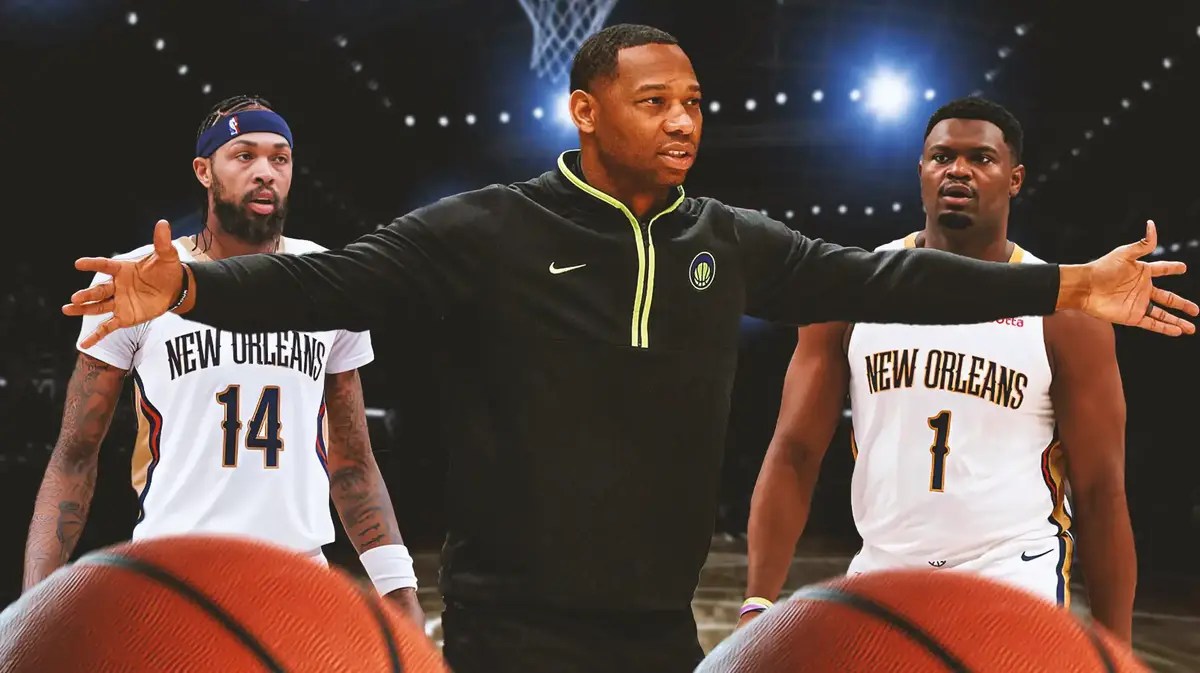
(231, 427)
(954, 436)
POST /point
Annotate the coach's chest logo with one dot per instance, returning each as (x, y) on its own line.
(702, 271)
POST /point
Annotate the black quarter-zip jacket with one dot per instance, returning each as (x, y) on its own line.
(586, 370)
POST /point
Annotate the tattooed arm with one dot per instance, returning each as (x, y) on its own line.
(355, 483)
(66, 493)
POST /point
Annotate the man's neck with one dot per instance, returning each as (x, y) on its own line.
(215, 243)
(988, 249)
(637, 198)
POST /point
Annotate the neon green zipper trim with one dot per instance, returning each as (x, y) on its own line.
(639, 326)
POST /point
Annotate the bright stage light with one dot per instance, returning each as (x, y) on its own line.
(888, 95)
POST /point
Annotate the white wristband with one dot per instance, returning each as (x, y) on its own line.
(390, 567)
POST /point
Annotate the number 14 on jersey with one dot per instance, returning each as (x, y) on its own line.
(263, 433)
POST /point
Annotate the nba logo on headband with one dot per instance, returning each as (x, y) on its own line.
(256, 121)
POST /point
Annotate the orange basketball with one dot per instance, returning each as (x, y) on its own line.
(899, 621)
(206, 603)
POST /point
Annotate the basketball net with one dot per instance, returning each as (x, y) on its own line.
(559, 27)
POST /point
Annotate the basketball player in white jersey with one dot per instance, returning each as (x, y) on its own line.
(964, 436)
(238, 434)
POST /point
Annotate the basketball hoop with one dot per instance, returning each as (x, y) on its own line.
(559, 27)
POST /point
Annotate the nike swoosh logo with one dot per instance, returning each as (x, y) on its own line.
(1025, 557)
(557, 270)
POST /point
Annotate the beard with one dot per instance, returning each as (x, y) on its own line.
(956, 221)
(237, 220)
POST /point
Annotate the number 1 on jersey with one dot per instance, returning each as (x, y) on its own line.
(940, 425)
(263, 433)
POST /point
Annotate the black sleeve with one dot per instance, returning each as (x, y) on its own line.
(797, 280)
(419, 265)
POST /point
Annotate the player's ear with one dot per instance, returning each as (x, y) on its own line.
(582, 107)
(202, 167)
(1016, 180)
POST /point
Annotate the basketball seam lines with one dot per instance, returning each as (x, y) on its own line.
(381, 620)
(1109, 665)
(880, 612)
(192, 594)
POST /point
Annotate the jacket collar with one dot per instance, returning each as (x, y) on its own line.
(568, 181)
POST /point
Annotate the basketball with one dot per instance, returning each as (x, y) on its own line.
(204, 603)
(900, 621)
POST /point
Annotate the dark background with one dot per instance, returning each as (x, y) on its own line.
(97, 130)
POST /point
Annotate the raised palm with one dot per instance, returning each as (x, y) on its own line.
(1122, 289)
(137, 290)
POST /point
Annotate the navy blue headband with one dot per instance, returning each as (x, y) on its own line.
(240, 123)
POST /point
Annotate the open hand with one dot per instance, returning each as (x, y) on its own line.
(138, 290)
(1122, 290)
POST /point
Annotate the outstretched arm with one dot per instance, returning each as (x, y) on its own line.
(798, 280)
(420, 264)
(361, 496)
(63, 500)
(1089, 407)
(813, 393)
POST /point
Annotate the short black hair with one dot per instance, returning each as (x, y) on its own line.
(974, 107)
(597, 56)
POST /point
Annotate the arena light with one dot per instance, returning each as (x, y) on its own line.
(372, 85)
(896, 207)
(538, 112)
(1004, 52)
(842, 209)
(504, 117)
(131, 18)
(341, 41)
(160, 44)
(816, 210)
(562, 110)
(780, 98)
(409, 120)
(751, 104)
(930, 94)
(888, 95)
(868, 211)
(443, 121)
(470, 119)
(356, 66)
(1146, 85)
(206, 89)
(1106, 121)
(855, 94)
(789, 214)
(387, 102)
(182, 70)
(714, 107)
(1166, 64)
(818, 96)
